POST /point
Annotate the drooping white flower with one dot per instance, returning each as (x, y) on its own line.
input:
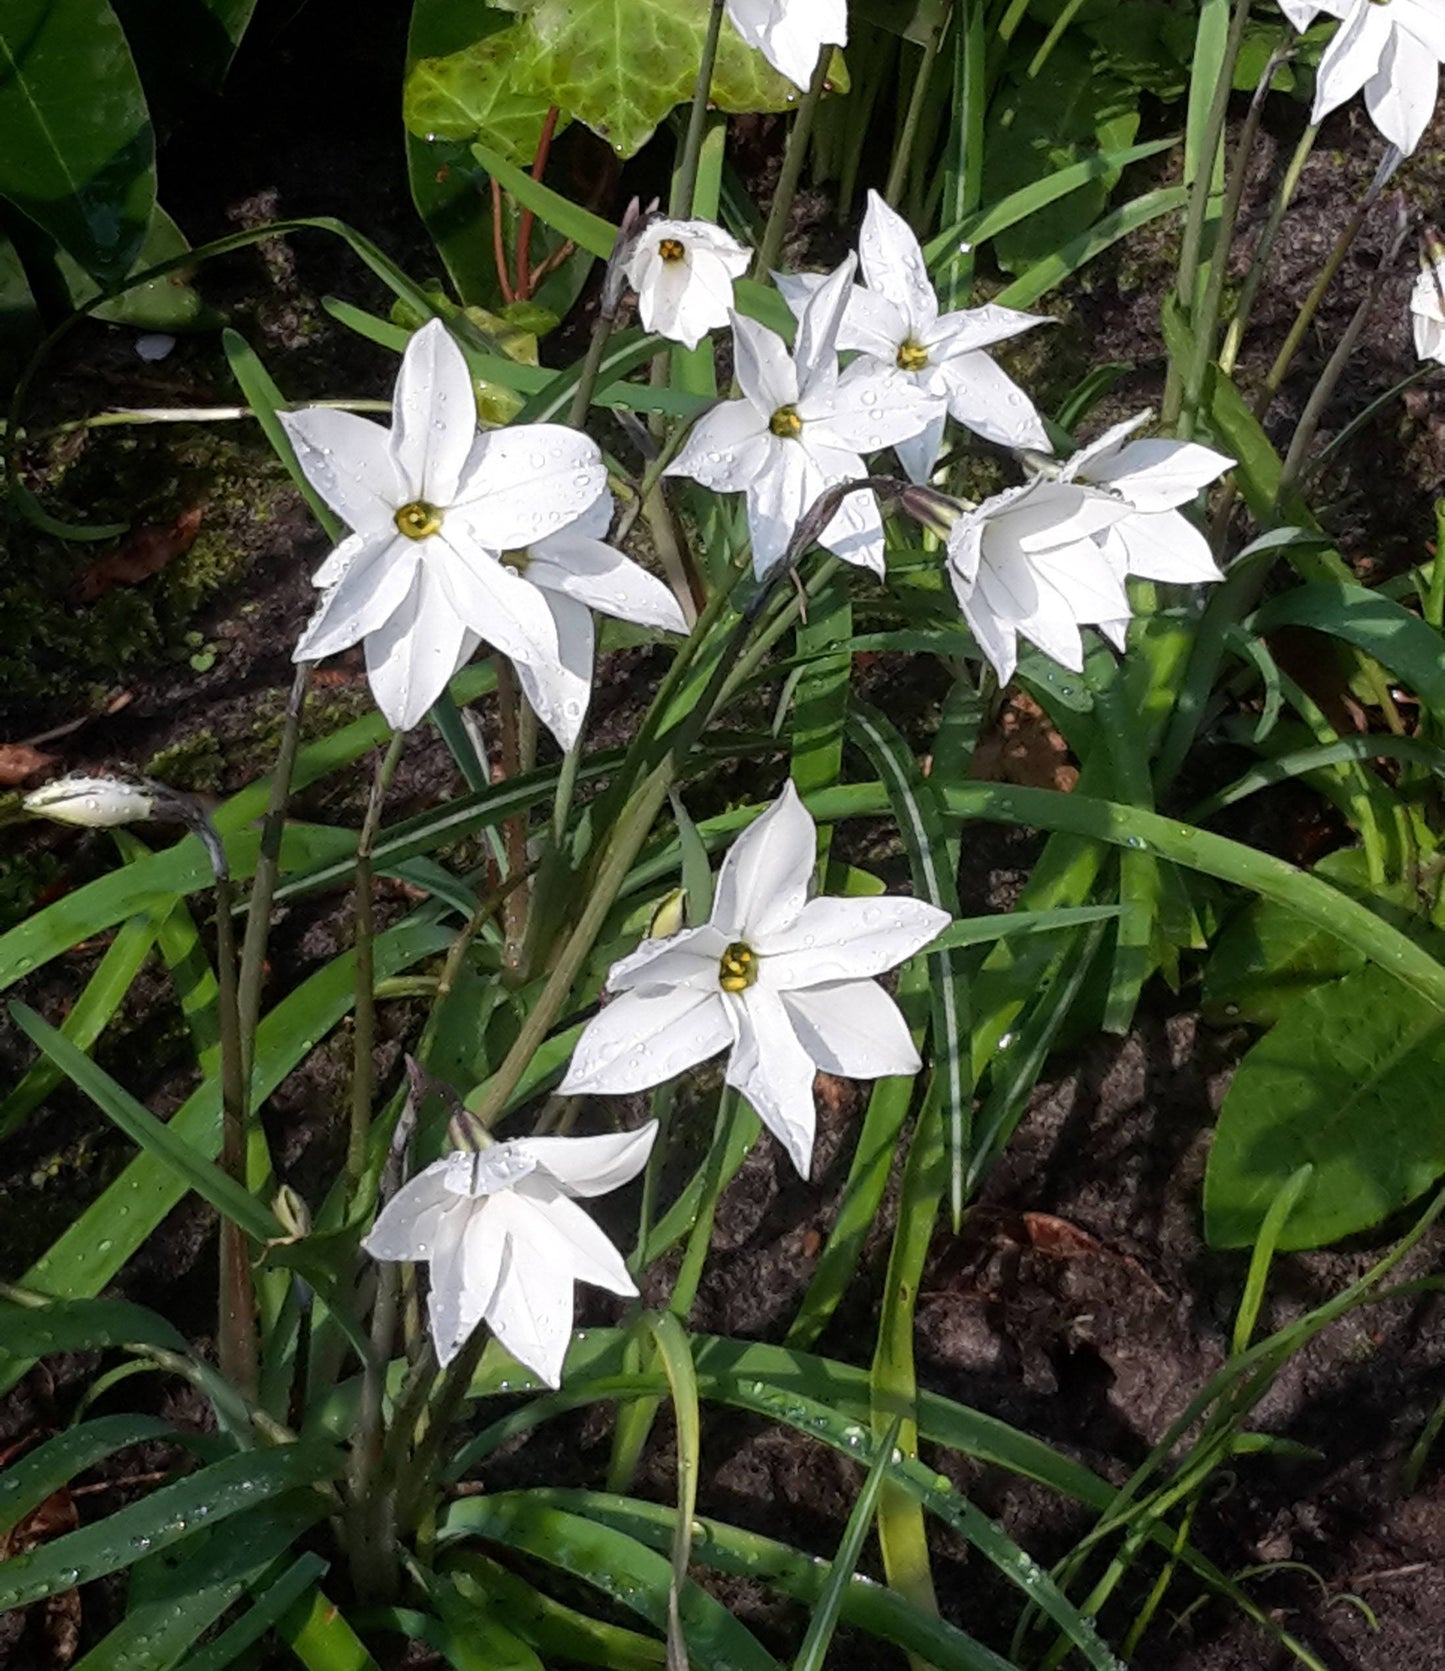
(575, 572)
(801, 427)
(683, 272)
(505, 1241)
(432, 505)
(791, 33)
(1028, 563)
(1392, 49)
(785, 984)
(1427, 310)
(96, 803)
(893, 320)
(1154, 477)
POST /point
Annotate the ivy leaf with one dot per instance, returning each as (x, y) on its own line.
(492, 89)
(621, 65)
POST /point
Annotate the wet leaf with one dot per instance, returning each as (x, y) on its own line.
(491, 90)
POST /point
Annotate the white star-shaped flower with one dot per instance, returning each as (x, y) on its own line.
(791, 33)
(1427, 312)
(505, 1242)
(785, 984)
(1392, 49)
(433, 506)
(1028, 563)
(683, 272)
(800, 428)
(894, 321)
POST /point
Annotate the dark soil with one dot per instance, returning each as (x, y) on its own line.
(1079, 1303)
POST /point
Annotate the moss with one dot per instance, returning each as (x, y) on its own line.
(195, 763)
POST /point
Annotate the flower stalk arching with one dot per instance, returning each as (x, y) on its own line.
(771, 246)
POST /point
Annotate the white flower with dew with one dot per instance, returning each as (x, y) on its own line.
(683, 272)
(1427, 310)
(1392, 49)
(1153, 476)
(786, 985)
(802, 427)
(505, 1242)
(96, 803)
(893, 320)
(791, 33)
(1028, 563)
(432, 505)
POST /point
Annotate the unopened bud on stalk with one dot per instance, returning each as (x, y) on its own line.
(99, 803)
(466, 1134)
(292, 1213)
(669, 916)
(615, 280)
(931, 509)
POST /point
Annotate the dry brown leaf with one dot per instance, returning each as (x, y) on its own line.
(1024, 748)
(19, 761)
(143, 552)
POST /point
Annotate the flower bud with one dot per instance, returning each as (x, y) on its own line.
(95, 802)
(466, 1134)
(669, 917)
(292, 1213)
(931, 509)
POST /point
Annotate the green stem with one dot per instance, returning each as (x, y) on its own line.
(591, 366)
(792, 171)
(364, 1016)
(237, 1347)
(1259, 265)
(917, 103)
(684, 182)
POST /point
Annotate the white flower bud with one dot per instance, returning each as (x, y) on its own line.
(95, 802)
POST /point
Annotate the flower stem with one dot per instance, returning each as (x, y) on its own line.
(237, 1347)
(917, 103)
(364, 1014)
(1259, 263)
(514, 829)
(792, 171)
(684, 182)
(526, 279)
(587, 379)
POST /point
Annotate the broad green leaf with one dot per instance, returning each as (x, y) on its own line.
(165, 1517)
(1348, 1081)
(161, 304)
(77, 154)
(621, 65)
(490, 90)
(1268, 955)
(186, 41)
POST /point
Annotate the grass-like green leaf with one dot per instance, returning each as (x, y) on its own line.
(24, 1485)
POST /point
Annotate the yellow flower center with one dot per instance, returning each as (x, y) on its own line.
(786, 422)
(737, 967)
(671, 249)
(912, 356)
(418, 520)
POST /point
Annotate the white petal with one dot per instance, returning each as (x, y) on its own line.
(494, 601)
(453, 1310)
(341, 557)
(642, 1038)
(919, 454)
(871, 323)
(1425, 21)
(816, 349)
(870, 407)
(989, 402)
(774, 1072)
(433, 415)
(530, 1311)
(996, 637)
(411, 657)
(981, 327)
(1401, 95)
(559, 688)
(836, 939)
(373, 587)
(777, 497)
(1166, 546)
(726, 448)
(602, 578)
(856, 532)
(1084, 462)
(524, 482)
(762, 365)
(1037, 610)
(687, 959)
(577, 1238)
(592, 1165)
(763, 882)
(1157, 475)
(853, 1028)
(347, 459)
(893, 265)
(406, 1226)
(1352, 56)
(790, 33)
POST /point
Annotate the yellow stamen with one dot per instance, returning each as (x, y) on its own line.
(912, 356)
(418, 520)
(671, 249)
(786, 423)
(737, 967)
